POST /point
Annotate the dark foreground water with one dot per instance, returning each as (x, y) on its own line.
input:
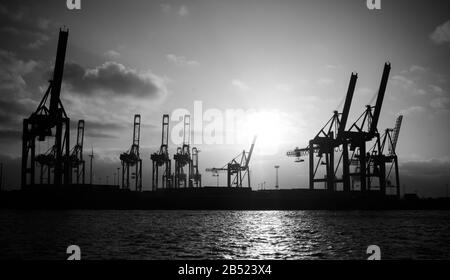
(224, 234)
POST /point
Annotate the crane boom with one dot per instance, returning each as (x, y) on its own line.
(237, 169)
(136, 130)
(132, 158)
(297, 152)
(247, 162)
(214, 169)
(80, 134)
(380, 97)
(398, 124)
(58, 72)
(187, 130)
(165, 134)
(347, 104)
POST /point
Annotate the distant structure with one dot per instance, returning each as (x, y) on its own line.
(380, 165)
(216, 174)
(77, 163)
(161, 159)
(324, 143)
(118, 176)
(131, 158)
(276, 176)
(195, 178)
(362, 166)
(183, 156)
(91, 156)
(39, 126)
(237, 169)
(364, 130)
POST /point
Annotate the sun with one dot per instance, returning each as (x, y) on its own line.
(267, 126)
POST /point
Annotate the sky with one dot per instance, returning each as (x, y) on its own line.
(285, 64)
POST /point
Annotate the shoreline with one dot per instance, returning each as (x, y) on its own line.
(209, 198)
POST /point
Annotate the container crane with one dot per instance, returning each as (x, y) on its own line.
(195, 178)
(379, 162)
(46, 162)
(363, 130)
(131, 158)
(324, 144)
(76, 155)
(391, 158)
(237, 169)
(91, 174)
(40, 124)
(161, 159)
(183, 156)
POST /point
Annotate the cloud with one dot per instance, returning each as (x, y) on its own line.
(183, 11)
(12, 72)
(13, 107)
(364, 91)
(39, 41)
(181, 60)
(165, 7)
(420, 80)
(412, 110)
(240, 85)
(428, 177)
(94, 126)
(103, 125)
(325, 81)
(13, 15)
(102, 135)
(43, 23)
(97, 128)
(283, 88)
(15, 102)
(417, 68)
(332, 66)
(440, 103)
(23, 23)
(432, 167)
(35, 39)
(402, 81)
(441, 34)
(436, 89)
(113, 78)
(408, 84)
(10, 134)
(112, 54)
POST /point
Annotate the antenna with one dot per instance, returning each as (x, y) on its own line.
(91, 158)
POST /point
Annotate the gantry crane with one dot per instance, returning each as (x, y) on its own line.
(324, 144)
(195, 178)
(131, 158)
(91, 174)
(237, 169)
(47, 121)
(378, 160)
(391, 158)
(183, 156)
(161, 159)
(364, 130)
(46, 162)
(76, 155)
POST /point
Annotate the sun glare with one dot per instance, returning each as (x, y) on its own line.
(267, 126)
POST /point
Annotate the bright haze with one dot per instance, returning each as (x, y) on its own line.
(286, 62)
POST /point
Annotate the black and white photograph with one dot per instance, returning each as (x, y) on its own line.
(245, 132)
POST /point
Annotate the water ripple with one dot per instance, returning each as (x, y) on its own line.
(224, 234)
